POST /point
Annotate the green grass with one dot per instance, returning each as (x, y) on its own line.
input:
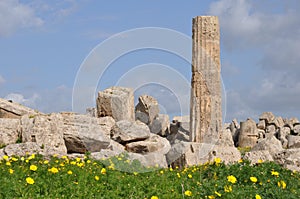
(86, 178)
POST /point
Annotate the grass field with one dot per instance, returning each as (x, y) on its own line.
(35, 177)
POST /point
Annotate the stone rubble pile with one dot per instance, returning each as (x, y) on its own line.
(149, 138)
(272, 138)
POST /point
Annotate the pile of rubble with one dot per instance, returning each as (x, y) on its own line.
(115, 126)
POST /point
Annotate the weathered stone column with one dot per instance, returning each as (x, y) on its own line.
(206, 112)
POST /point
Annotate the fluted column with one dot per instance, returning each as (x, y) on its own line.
(206, 111)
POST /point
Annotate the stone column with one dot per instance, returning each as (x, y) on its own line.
(206, 112)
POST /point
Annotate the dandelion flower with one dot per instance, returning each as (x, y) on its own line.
(260, 161)
(8, 164)
(11, 171)
(46, 162)
(70, 172)
(33, 167)
(154, 197)
(97, 178)
(218, 160)
(14, 159)
(218, 194)
(275, 173)
(29, 180)
(257, 196)
(103, 171)
(253, 179)
(53, 170)
(188, 193)
(228, 189)
(5, 157)
(231, 179)
(190, 176)
(281, 184)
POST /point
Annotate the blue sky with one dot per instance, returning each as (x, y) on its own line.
(43, 44)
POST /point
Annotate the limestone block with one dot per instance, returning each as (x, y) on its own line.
(148, 108)
(248, 135)
(9, 109)
(117, 102)
(267, 116)
(257, 156)
(160, 125)
(154, 143)
(271, 144)
(293, 141)
(83, 133)
(128, 131)
(10, 131)
(45, 130)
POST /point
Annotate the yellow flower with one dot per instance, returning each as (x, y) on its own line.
(81, 164)
(260, 161)
(46, 162)
(275, 173)
(53, 170)
(240, 160)
(253, 179)
(218, 194)
(64, 157)
(14, 159)
(257, 196)
(190, 176)
(33, 167)
(211, 197)
(22, 158)
(97, 178)
(282, 184)
(31, 157)
(154, 197)
(188, 193)
(161, 172)
(5, 157)
(231, 179)
(72, 162)
(218, 160)
(70, 172)
(88, 161)
(78, 159)
(228, 188)
(171, 169)
(11, 171)
(29, 180)
(135, 173)
(8, 163)
(103, 171)
(178, 175)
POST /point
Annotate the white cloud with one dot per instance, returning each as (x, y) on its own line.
(19, 98)
(273, 30)
(2, 80)
(15, 15)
